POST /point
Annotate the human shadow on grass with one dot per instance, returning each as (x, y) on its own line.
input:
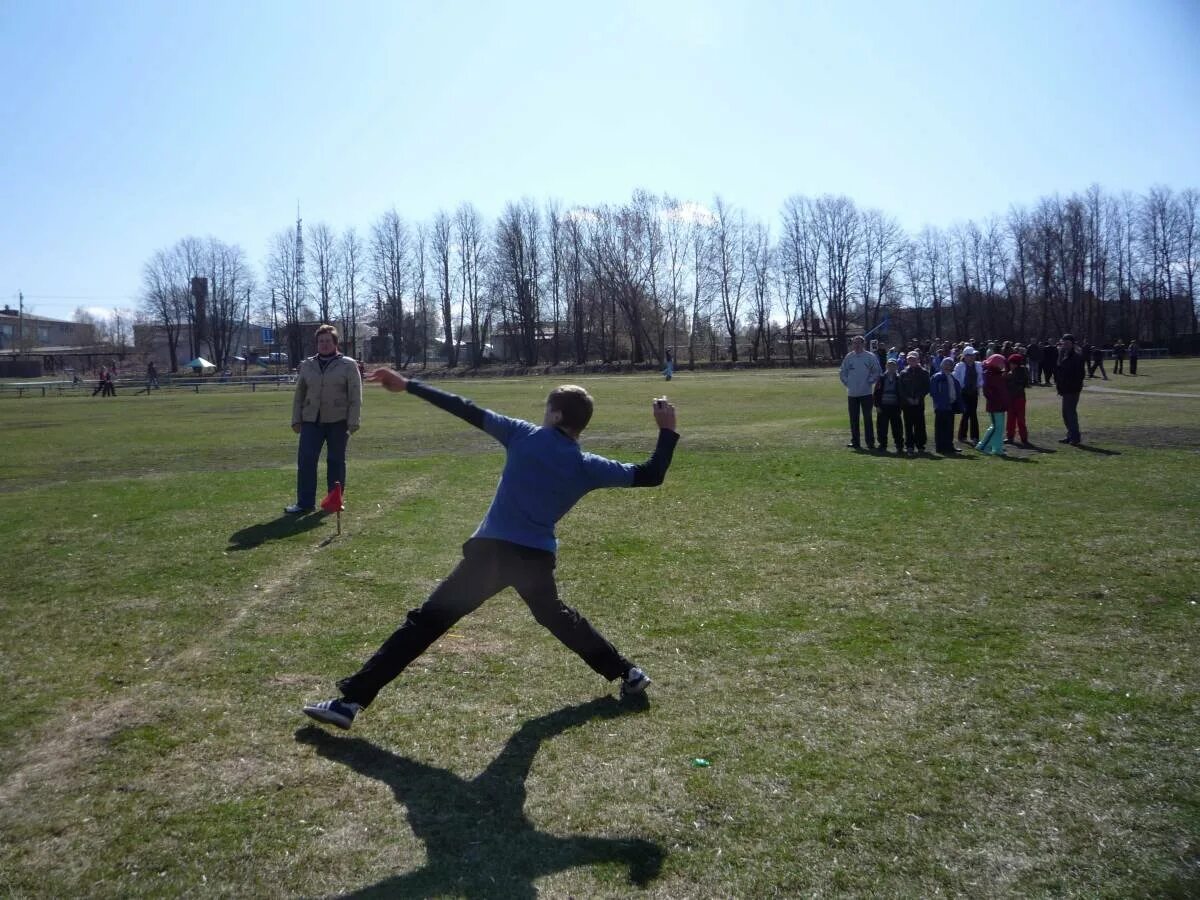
(1100, 450)
(478, 840)
(285, 526)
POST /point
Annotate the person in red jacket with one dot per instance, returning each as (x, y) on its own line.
(995, 394)
(1018, 378)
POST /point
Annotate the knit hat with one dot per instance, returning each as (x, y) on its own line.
(1069, 337)
(995, 361)
(1016, 359)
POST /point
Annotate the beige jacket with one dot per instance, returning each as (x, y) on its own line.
(330, 396)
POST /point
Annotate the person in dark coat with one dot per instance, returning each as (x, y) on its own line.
(914, 387)
(888, 403)
(1068, 377)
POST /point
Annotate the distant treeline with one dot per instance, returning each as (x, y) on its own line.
(548, 283)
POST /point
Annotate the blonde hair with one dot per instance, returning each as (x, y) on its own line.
(327, 329)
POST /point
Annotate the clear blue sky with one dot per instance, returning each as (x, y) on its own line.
(127, 126)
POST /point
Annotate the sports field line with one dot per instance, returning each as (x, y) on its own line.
(1107, 390)
(71, 738)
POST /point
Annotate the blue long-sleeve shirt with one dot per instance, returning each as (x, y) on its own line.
(545, 471)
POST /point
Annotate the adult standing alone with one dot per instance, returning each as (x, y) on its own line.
(325, 412)
(860, 370)
(1068, 378)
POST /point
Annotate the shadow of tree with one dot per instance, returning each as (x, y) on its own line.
(285, 526)
(478, 840)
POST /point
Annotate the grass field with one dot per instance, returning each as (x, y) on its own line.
(910, 677)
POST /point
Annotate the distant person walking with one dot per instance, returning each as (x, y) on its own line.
(1097, 362)
(1119, 358)
(1068, 378)
(151, 376)
(1133, 357)
(325, 411)
(859, 372)
(669, 368)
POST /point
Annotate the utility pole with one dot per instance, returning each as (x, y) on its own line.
(274, 334)
(20, 320)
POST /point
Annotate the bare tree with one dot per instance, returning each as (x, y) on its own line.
(730, 267)
(324, 254)
(472, 261)
(762, 263)
(442, 245)
(348, 285)
(1189, 248)
(390, 268)
(556, 253)
(420, 293)
(881, 250)
(286, 284)
(516, 260)
(165, 293)
(836, 224)
(230, 285)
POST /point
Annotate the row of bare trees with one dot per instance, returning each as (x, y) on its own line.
(210, 329)
(551, 284)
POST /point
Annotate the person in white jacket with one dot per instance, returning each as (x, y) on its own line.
(969, 375)
(326, 409)
(860, 370)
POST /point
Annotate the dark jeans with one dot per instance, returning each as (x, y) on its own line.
(1133, 365)
(943, 431)
(915, 435)
(970, 418)
(889, 417)
(313, 435)
(1070, 416)
(864, 404)
(487, 567)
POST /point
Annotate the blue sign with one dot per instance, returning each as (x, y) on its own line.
(268, 336)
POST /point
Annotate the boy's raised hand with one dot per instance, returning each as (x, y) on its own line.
(664, 414)
(390, 379)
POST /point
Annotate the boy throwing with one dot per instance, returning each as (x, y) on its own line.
(545, 474)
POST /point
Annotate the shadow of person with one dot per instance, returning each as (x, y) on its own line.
(478, 840)
(1100, 450)
(285, 526)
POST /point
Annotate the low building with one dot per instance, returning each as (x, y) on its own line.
(23, 331)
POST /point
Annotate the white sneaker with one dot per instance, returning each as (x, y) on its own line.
(634, 682)
(297, 508)
(333, 712)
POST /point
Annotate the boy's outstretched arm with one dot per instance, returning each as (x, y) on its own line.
(652, 472)
(451, 403)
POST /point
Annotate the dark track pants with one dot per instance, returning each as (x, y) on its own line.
(890, 417)
(915, 434)
(487, 567)
(970, 418)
